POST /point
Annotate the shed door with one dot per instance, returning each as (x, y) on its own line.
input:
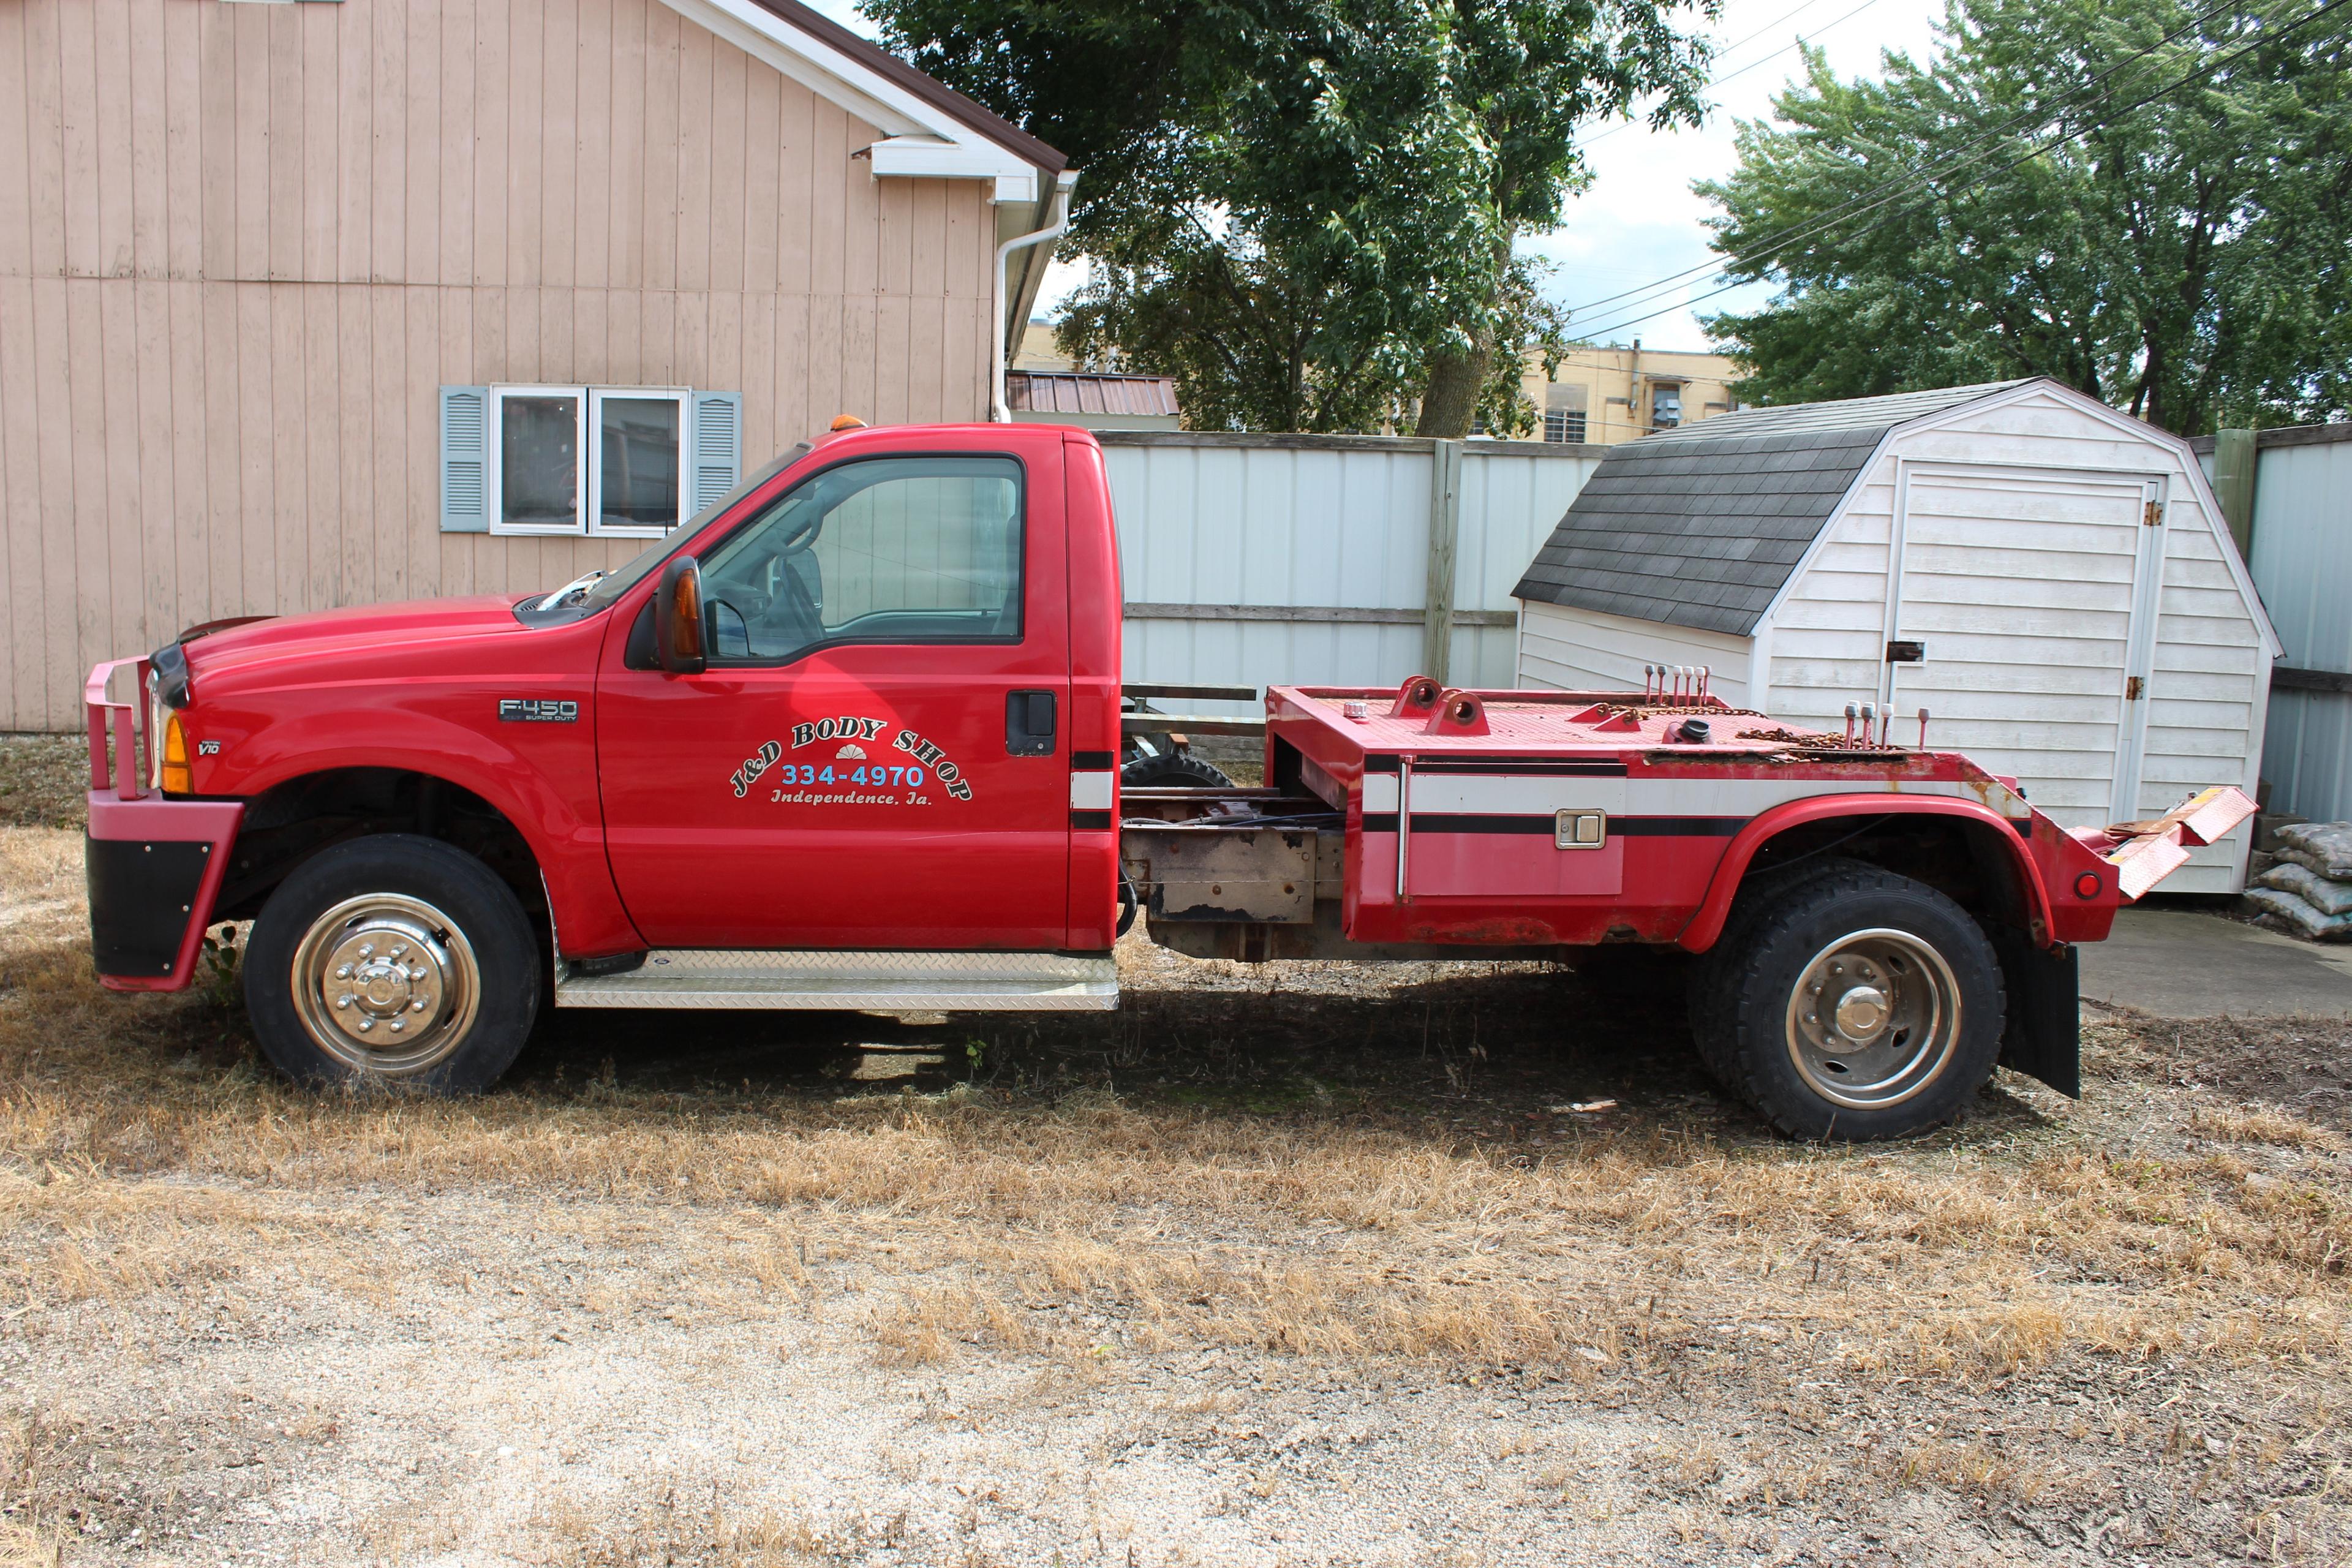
(2033, 593)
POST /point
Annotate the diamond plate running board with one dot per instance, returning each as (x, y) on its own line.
(864, 982)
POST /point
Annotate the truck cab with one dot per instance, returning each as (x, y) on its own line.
(859, 717)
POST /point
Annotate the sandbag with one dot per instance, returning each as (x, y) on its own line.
(2310, 921)
(2303, 858)
(2327, 895)
(2327, 845)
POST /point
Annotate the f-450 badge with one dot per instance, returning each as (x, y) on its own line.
(537, 710)
(850, 777)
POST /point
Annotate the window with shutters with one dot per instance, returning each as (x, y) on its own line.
(630, 461)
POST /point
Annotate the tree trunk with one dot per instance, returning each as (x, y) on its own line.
(1452, 395)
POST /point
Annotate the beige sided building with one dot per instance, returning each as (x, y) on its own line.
(1604, 396)
(317, 304)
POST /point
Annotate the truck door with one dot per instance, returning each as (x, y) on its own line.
(876, 756)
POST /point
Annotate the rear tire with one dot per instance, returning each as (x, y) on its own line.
(393, 959)
(1850, 1003)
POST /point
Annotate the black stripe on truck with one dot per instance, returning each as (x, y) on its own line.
(1624, 827)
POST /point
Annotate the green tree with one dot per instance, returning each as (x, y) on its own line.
(1304, 210)
(2183, 258)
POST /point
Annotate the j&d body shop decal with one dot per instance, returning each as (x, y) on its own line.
(758, 762)
(850, 777)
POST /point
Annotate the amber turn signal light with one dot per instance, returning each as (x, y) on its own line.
(175, 776)
(846, 422)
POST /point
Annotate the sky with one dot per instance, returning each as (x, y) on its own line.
(1639, 222)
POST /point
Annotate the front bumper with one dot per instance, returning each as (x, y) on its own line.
(155, 865)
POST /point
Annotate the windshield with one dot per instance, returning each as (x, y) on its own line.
(600, 595)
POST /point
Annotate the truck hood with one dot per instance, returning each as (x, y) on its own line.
(302, 644)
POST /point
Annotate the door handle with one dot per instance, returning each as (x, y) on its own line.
(1029, 723)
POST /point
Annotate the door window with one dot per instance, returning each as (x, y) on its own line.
(896, 550)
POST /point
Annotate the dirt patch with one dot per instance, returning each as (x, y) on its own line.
(1446, 1263)
(2296, 1067)
(44, 781)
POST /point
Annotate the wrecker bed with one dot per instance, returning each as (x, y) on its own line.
(1423, 821)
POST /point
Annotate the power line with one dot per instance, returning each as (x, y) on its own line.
(1753, 65)
(2026, 156)
(1944, 162)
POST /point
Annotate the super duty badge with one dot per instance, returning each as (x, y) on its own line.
(537, 710)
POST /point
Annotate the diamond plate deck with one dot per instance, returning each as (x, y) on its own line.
(870, 982)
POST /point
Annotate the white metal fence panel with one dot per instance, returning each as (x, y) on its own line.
(2302, 565)
(1511, 500)
(1305, 559)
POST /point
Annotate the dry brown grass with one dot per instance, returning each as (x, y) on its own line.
(2261, 1124)
(144, 1156)
(1891, 1264)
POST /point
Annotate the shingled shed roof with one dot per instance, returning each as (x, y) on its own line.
(1702, 526)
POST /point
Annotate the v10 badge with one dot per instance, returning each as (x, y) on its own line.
(852, 775)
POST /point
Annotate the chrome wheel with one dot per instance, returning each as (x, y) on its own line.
(386, 984)
(1873, 1019)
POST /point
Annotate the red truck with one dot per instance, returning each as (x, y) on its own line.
(849, 739)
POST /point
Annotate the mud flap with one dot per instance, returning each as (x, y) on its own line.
(2043, 1037)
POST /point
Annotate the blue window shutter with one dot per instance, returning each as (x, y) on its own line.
(717, 445)
(465, 460)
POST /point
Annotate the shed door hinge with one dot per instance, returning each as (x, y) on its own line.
(2153, 514)
(2134, 688)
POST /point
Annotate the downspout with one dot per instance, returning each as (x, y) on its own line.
(998, 414)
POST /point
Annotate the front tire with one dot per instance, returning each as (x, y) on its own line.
(1852, 1003)
(393, 959)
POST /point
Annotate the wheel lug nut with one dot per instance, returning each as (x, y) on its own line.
(344, 972)
(367, 949)
(366, 1024)
(398, 1025)
(398, 948)
(417, 1006)
(416, 974)
(344, 1000)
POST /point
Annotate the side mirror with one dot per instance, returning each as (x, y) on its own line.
(677, 618)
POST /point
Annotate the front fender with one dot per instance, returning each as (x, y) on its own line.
(1706, 922)
(557, 821)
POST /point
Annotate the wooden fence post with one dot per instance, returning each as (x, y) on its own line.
(1444, 529)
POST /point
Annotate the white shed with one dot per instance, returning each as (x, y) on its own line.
(2082, 619)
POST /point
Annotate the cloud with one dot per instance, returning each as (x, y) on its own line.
(1639, 221)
